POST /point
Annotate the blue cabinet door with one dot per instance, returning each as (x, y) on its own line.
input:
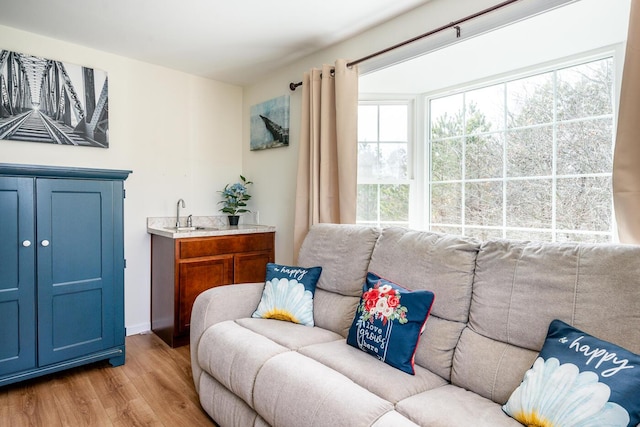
(75, 259)
(17, 279)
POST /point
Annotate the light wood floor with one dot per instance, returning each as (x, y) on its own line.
(153, 388)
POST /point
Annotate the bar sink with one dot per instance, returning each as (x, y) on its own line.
(186, 229)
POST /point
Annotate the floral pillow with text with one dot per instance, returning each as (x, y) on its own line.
(389, 321)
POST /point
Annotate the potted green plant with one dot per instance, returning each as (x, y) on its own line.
(235, 197)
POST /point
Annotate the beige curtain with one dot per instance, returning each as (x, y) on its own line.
(327, 160)
(626, 159)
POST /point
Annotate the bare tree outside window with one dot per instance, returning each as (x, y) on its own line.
(526, 159)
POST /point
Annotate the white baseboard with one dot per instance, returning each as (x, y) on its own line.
(138, 329)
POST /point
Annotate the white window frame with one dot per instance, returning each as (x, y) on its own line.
(419, 162)
(423, 160)
(410, 102)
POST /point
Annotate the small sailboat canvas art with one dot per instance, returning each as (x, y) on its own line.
(270, 124)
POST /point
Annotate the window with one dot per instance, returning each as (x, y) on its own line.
(522, 158)
(528, 159)
(383, 168)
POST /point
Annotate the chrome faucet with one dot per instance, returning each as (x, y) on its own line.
(178, 213)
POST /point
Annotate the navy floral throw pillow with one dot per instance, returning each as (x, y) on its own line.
(578, 380)
(389, 321)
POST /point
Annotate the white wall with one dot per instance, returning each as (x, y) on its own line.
(180, 135)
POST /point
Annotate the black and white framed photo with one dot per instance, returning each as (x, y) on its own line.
(270, 124)
(48, 101)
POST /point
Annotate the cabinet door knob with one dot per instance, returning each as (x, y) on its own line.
(45, 243)
(26, 243)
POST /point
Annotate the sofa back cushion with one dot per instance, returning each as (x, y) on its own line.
(343, 251)
(520, 287)
(442, 264)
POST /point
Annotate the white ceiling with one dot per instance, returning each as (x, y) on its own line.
(229, 41)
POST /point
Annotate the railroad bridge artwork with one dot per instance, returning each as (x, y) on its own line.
(42, 100)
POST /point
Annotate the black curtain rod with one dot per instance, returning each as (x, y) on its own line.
(454, 24)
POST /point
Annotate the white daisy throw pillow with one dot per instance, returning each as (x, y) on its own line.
(580, 381)
(288, 294)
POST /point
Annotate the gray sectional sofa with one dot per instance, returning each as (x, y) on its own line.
(494, 301)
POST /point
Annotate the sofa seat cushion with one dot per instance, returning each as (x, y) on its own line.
(287, 334)
(449, 405)
(294, 390)
(394, 419)
(233, 355)
(381, 379)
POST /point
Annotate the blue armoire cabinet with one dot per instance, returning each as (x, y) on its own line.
(61, 269)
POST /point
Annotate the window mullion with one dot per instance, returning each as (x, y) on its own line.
(463, 166)
(554, 160)
(504, 164)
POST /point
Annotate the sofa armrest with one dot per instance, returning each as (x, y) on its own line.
(216, 305)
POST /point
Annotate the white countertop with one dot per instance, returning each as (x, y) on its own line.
(213, 226)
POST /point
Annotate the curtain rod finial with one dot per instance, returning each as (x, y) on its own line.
(293, 86)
